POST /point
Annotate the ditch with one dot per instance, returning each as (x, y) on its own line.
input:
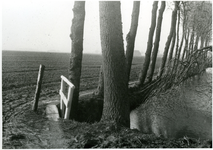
(183, 111)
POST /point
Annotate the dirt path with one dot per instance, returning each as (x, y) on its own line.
(54, 135)
(17, 104)
(45, 134)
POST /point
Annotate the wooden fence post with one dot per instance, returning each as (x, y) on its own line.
(38, 87)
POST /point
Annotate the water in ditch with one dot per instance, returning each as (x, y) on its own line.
(185, 110)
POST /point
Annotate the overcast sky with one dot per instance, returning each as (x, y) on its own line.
(44, 25)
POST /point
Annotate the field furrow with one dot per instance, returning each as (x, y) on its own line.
(20, 72)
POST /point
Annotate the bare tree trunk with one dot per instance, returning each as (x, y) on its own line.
(187, 52)
(186, 46)
(184, 29)
(172, 28)
(207, 41)
(175, 63)
(191, 43)
(157, 40)
(196, 42)
(144, 70)
(202, 42)
(130, 38)
(100, 89)
(116, 103)
(181, 45)
(76, 36)
(169, 61)
(182, 39)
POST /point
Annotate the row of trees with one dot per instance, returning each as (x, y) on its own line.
(195, 18)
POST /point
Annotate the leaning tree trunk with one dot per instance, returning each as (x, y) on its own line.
(184, 34)
(172, 28)
(175, 64)
(181, 45)
(191, 43)
(182, 38)
(116, 103)
(169, 62)
(186, 46)
(157, 40)
(130, 38)
(187, 52)
(76, 36)
(144, 70)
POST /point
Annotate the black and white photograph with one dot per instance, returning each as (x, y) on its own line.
(106, 74)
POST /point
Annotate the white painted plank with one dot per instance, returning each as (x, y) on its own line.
(67, 81)
(66, 100)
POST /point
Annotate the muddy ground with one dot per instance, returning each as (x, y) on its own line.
(23, 128)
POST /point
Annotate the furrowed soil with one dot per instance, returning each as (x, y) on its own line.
(20, 72)
(23, 128)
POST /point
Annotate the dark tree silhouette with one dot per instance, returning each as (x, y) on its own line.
(185, 36)
(183, 29)
(116, 103)
(186, 45)
(77, 31)
(169, 62)
(130, 38)
(172, 28)
(144, 70)
(175, 63)
(157, 40)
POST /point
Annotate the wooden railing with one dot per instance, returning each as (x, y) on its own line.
(66, 101)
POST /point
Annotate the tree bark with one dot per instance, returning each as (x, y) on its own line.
(196, 42)
(206, 41)
(191, 43)
(169, 62)
(130, 38)
(116, 103)
(175, 63)
(172, 28)
(100, 89)
(182, 38)
(157, 40)
(144, 70)
(181, 45)
(186, 46)
(202, 42)
(76, 36)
